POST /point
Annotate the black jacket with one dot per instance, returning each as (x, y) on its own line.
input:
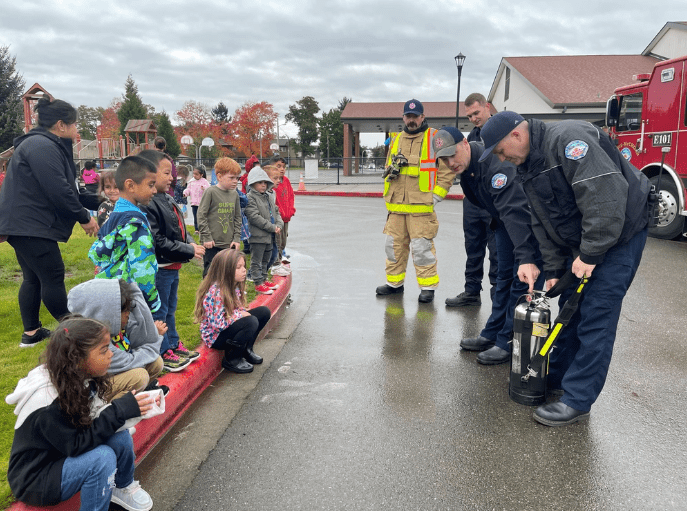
(46, 438)
(585, 197)
(39, 196)
(172, 242)
(493, 185)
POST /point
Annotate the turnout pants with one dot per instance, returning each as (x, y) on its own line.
(411, 233)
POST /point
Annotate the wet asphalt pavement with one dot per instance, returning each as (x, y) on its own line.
(371, 404)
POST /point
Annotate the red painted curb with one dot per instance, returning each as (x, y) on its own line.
(184, 388)
(451, 196)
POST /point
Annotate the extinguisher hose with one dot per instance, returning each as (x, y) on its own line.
(563, 318)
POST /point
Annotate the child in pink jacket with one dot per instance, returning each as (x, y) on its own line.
(194, 190)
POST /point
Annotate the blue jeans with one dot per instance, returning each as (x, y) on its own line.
(579, 363)
(96, 472)
(167, 283)
(508, 289)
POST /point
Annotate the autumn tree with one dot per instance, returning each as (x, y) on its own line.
(11, 90)
(165, 130)
(253, 127)
(132, 107)
(303, 114)
(109, 121)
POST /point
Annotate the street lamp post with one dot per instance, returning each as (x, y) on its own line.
(460, 59)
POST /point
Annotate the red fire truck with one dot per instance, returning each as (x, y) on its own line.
(646, 117)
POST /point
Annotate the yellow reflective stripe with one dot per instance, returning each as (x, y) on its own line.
(429, 281)
(409, 208)
(396, 278)
(441, 192)
(410, 171)
(547, 345)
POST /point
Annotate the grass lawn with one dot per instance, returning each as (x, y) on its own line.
(17, 362)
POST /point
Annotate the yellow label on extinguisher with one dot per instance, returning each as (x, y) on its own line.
(540, 329)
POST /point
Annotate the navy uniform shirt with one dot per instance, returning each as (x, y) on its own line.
(492, 185)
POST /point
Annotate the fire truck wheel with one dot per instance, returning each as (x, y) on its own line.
(670, 222)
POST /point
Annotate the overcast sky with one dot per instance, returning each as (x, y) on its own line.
(280, 51)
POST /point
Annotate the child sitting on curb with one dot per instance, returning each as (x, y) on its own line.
(136, 338)
(174, 245)
(265, 222)
(225, 324)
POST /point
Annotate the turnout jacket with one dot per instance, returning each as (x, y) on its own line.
(40, 197)
(494, 186)
(421, 183)
(585, 198)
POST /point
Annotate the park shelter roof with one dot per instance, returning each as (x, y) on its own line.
(140, 126)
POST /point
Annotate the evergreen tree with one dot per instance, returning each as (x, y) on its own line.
(220, 113)
(132, 106)
(331, 131)
(303, 115)
(165, 129)
(11, 109)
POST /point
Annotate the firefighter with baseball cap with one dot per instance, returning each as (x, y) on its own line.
(590, 210)
(413, 185)
(492, 185)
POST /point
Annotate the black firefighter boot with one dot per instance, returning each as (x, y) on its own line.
(233, 361)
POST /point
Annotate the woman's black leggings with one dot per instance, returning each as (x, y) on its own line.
(41, 263)
(242, 333)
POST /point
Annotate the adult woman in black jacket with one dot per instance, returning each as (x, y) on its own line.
(39, 205)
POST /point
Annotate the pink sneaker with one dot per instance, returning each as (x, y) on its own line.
(263, 289)
(271, 285)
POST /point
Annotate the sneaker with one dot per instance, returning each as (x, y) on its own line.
(282, 271)
(249, 278)
(133, 498)
(271, 285)
(263, 289)
(29, 341)
(183, 351)
(174, 363)
(285, 261)
(155, 385)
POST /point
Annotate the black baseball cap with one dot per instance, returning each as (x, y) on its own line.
(413, 106)
(496, 129)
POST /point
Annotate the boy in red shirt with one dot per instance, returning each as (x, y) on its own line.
(286, 203)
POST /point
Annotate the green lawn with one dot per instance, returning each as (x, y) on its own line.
(17, 362)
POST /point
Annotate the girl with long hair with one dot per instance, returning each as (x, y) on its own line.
(66, 439)
(225, 323)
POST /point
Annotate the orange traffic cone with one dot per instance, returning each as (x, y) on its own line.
(301, 184)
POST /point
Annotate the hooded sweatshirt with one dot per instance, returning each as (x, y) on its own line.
(44, 437)
(101, 299)
(262, 212)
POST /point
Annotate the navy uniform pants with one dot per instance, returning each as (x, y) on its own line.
(580, 359)
(478, 235)
(508, 289)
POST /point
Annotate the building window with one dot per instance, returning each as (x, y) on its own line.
(630, 118)
(507, 91)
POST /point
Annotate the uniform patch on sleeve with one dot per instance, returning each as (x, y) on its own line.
(499, 181)
(576, 150)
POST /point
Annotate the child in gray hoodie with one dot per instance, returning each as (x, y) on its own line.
(265, 221)
(136, 338)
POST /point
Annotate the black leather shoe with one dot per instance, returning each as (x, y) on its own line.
(426, 296)
(476, 344)
(558, 414)
(237, 366)
(386, 289)
(252, 357)
(493, 356)
(464, 299)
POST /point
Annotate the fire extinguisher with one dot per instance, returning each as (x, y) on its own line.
(533, 339)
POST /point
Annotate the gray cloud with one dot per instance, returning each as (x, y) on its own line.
(280, 51)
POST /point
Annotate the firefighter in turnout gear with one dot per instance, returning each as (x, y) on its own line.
(413, 185)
